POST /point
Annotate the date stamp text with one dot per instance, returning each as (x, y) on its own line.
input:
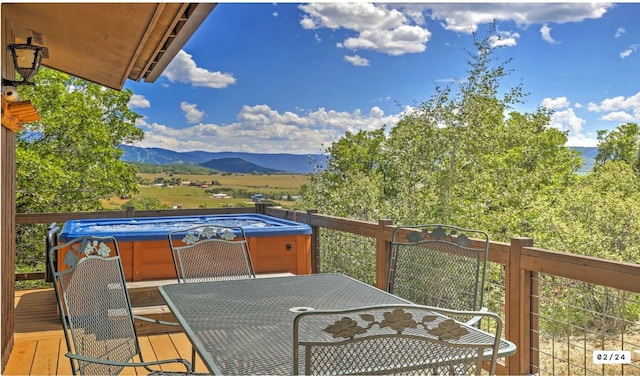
(612, 357)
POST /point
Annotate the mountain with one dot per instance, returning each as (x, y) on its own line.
(295, 163)
(157, 156)
(237, 165)
(291, 163)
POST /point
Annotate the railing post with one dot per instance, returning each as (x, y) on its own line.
(518, 308)
(315, 243)
(534, 342)
(261, 207)
(130, 212)
(382, 254)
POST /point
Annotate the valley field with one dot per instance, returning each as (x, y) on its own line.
(166, 188)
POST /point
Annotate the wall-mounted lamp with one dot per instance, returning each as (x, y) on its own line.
(26, 61)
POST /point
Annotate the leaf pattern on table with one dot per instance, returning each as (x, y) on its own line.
(398, 320)
(345, 328)
(448, 329)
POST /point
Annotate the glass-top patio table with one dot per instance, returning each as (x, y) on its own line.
(244, 327)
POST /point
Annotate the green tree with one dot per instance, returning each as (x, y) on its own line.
(464, 156)
(598, 217)
(350, 186)
(144, 203)
(620, 144)
(69, 160)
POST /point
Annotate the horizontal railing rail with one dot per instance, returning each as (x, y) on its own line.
(521, 262)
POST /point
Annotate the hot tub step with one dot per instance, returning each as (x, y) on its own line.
(161, 313)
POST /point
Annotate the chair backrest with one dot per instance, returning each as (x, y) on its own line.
(206, 253)
(392, 339)
(51, 241)
(94, 303)
(439, 265)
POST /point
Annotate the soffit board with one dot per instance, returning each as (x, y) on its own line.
(107, 43)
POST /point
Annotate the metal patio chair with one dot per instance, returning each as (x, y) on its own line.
(209, 253)
(51, 241)
(95, 309)
(439, 265)
(393, 339)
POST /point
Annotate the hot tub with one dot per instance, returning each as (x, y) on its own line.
(276, 245)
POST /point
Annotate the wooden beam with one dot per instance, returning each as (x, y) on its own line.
(29, 276)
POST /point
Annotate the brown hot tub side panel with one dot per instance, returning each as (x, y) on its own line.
(146, 260)
(151, 259)
(280, 254)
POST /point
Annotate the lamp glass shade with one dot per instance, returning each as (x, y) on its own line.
(25, 58)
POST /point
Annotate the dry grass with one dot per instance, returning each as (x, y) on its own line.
(248, 181)
(196, 197)
(574, 355)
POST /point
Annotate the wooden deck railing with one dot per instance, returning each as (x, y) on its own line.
(522, 264)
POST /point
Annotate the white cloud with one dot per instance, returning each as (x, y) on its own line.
(398, 29)
(620, 116)
(465, 17)
(504, 39)
(545, 32)
(581, 140)
(261, 129)
(191, 112)
(619, 32)
(556, 103)
(307, 23)
(357, 60)
(377, 27)
(618, 108)
(376, 112)
(567, 120)
(184, 70)
(617, 103)
(138, 101)
(626, 53)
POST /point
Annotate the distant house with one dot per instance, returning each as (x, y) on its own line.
(184, 182)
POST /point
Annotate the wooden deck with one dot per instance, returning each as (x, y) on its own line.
(40, 345)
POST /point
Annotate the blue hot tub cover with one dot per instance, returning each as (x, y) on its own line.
(157, 228)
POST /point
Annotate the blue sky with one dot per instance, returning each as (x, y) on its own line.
(294, 77)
